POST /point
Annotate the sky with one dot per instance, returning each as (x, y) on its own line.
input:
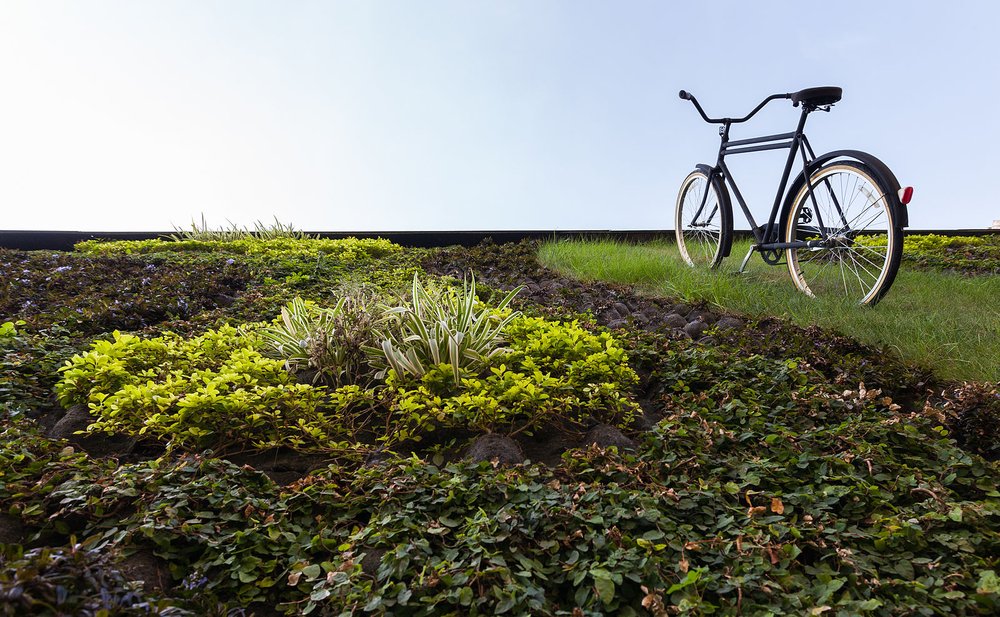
(382, 115)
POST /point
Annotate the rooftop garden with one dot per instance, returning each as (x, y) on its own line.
(267, 423)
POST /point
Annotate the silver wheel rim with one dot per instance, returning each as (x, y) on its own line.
(856, 263)
(699, 244)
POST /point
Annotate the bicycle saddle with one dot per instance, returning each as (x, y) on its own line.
(817, 97)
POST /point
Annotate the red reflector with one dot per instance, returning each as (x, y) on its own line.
(906, 194)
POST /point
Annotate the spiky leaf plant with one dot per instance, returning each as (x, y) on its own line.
(202, 232)
(441, 327)
(330, 341)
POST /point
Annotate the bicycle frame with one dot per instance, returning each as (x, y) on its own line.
(767, 236)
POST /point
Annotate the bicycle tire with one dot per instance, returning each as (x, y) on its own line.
(706, 242)
(851, 210)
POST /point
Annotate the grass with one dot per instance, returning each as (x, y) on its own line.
(947, 322)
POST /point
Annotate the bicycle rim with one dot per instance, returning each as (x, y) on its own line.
(851, 214)
(699, 234)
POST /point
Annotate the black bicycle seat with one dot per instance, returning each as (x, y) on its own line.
(817, 97)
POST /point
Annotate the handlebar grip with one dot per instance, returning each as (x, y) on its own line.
(684, 94)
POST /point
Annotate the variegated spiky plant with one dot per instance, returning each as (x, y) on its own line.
(330, 341)
(441, 327)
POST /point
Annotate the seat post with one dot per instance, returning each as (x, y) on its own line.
(771, 231)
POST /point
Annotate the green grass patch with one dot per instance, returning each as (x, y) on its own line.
(943, 320)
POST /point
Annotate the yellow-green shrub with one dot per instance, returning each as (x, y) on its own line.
(218, 391)
(555, 373)
(211, 391)
(347, 249)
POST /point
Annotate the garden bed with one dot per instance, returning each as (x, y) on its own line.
(618, 454)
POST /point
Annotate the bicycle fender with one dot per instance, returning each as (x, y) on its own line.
(726, 203)
(875, 164)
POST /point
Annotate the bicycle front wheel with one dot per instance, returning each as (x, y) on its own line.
(702, 220)
(857, 242)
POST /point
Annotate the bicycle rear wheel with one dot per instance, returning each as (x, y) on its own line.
(702, 223)
(859, 244)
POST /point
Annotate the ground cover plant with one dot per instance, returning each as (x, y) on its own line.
(962, 254)
(310, 447)
(946, 318)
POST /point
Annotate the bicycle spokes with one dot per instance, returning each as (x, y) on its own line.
(700, 222)
(852, 256)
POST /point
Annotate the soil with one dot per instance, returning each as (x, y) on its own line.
(495, 448)
(507, 266)
(145, 566)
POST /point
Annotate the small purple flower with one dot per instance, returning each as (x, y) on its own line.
(230, 261)
(63, 268)
(193, 581)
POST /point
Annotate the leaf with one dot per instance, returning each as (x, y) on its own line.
(247, 576)
(465, 596)
(776, 506)
(827, 590)
(989, 582)
(604, 585)
(691, 578)
(905, 569)
(504, 605)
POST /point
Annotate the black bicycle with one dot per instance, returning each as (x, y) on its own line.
(839, 226)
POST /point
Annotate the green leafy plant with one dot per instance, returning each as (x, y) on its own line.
(964, 254)
(764, 489)
(552, 374)
(71, 580)
(8, 329)
(442, 326)
(211, 391)
(329, 341)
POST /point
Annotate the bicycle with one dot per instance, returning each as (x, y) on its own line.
(841, 232)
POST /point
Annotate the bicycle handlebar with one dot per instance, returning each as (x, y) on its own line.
(684, 94)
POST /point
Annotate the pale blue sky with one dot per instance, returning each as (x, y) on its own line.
(465, 115)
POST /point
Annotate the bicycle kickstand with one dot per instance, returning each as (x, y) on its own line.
(743, 266)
